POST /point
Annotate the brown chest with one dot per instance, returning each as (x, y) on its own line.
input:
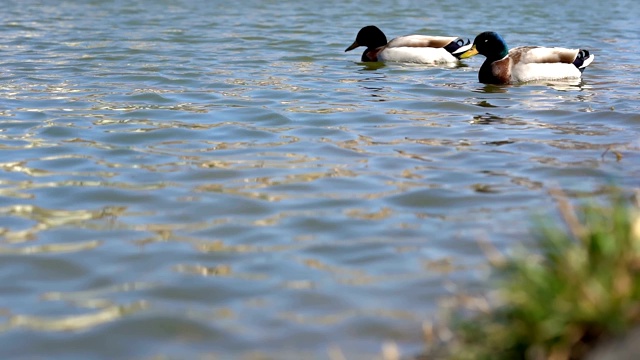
(501, 70)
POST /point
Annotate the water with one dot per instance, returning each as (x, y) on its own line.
(192, 179)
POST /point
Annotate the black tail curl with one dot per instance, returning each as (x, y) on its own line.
(583, 55)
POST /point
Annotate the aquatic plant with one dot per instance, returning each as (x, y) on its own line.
(580, 288)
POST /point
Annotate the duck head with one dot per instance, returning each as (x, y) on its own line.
(488, 43)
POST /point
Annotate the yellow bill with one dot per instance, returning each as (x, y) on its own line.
(469, 53)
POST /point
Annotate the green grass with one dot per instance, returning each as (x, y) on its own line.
(579, 287)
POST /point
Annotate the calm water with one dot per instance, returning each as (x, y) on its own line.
(186, 179)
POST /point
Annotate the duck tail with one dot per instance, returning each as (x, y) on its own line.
(583, 59)
(455, 45)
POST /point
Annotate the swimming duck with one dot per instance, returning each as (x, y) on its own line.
(524, 63)
(411, 48)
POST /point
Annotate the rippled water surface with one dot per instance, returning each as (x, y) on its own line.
(188, 179)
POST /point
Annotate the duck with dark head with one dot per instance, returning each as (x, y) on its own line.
(421, 49)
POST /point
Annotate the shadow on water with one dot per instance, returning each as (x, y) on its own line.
(492, 89)
(491, 119)
(376, 92)
(485, 104)
(371, 66)
(559, 85)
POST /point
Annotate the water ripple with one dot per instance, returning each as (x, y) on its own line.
(181, 180)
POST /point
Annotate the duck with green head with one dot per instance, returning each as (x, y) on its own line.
(524, 63)
(420, 49)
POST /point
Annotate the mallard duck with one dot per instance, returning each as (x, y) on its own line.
(411, 48)
(524, 63)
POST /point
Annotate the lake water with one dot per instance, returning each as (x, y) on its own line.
(208, 179)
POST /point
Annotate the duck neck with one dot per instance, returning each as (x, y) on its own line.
(367, 55)
(504, 51)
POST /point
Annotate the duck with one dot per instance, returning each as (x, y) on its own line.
(421, 49)
(524, 63)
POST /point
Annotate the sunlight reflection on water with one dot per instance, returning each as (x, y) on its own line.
(182, 180)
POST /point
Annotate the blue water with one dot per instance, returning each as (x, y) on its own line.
(193, 179)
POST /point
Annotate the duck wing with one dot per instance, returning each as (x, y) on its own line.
(533, 63)
(421, 41)
(539, 55)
